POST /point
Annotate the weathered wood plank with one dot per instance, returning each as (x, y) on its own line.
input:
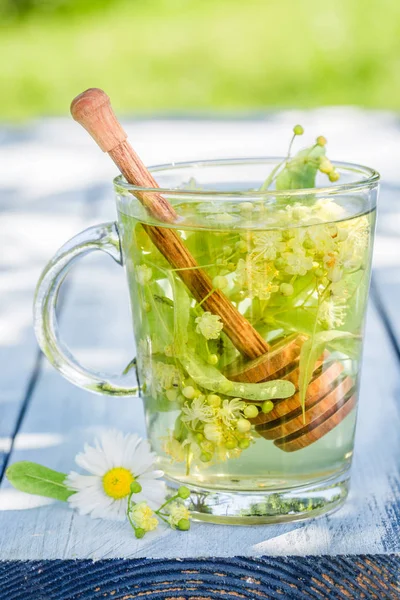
(28, 238)
(337, 578)
(60, 417)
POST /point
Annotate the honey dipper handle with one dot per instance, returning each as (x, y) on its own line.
(92, 109)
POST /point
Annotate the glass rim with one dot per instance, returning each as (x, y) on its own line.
(372, 178)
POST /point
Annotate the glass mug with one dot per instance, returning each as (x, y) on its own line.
(258, 436)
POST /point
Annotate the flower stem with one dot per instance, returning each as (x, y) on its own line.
(166, 502)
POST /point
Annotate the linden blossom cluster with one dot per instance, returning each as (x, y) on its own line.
(276, 259)
(173, 512)
(299, 274)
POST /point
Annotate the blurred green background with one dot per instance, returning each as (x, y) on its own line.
(175, 55)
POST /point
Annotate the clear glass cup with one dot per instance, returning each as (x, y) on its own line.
(260, 433)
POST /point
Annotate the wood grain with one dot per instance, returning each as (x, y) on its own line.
(287, 408)
(367, 577)
(262, 368)
(294, 421)
(323, 422)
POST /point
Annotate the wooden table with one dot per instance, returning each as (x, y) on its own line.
(47, 551)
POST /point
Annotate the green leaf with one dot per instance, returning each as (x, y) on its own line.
(160, 320)
(310, 352)
(35, 479)
(351, 348)
(181, 314)
(210, 378)
(300, 172)
(299, 320)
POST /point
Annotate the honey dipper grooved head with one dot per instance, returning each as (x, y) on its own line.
(92, 109)
(88, 102)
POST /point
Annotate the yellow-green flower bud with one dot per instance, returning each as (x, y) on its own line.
(139, 532)
(251, 411)
(267, 406)
(189, 392)
(171, 395)
(286, 289)
(212, 359)
(199, 437)
(298, 130)
(214, 400)
(183, 492)
(321, 140)
(334, 176)
(243, 425)
(279, 263)
(136, 488)
(231, 444)
(183, 524)
(319, 272)
(205, 456)
(243, 444)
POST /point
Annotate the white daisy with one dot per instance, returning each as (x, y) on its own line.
(115, 461)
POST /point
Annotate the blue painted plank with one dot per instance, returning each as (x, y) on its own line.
(28, 239)
(339, 578)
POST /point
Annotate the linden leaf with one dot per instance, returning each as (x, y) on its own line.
(311, 350)
(181, 314)
(35, 479)
(300, 171)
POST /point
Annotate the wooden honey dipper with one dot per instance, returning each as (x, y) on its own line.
(92, 109)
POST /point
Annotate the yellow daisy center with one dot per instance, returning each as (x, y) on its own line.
(117, 482)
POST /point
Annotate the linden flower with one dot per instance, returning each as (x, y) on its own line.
(177, 511)
(209, 325)
(321, 238)
(256, 277)
(198, 410)
(143, 274)
(297, 263)
(328, 210)
(115, 461)
(214, 432)
(143, 516)
(166, 376)
(268, 244)
(230, 410)
(331, 314)
(174, 449)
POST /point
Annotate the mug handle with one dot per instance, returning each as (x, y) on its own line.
(103, 237)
